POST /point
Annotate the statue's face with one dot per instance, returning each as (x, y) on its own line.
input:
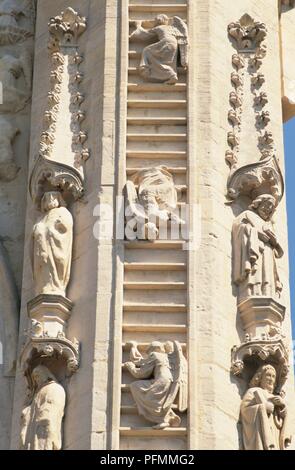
(161, 20)
(266, 209)
(38, 376)
(50, 201)
(268, 380)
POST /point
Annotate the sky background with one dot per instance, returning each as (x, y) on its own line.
(289, 137)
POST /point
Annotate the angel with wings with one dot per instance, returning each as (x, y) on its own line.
(163, 382)
(159, 60)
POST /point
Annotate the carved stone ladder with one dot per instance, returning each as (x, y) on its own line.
(155, 272)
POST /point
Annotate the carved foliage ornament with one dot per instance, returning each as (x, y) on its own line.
(54, 168)
(67, 27)
(247, 33)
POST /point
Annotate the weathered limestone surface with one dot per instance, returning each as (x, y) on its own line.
(148, 292)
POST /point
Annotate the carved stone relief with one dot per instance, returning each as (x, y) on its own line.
(256, 190)
(247, 37)
(41, 419)
(57, 180)
(64, 116)
(163, 379)
(52, 246)
(151, 197)
(264, 413)
(255, 249)
(159, 60)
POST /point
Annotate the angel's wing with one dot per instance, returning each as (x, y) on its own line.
(178, 366)
(182, 39)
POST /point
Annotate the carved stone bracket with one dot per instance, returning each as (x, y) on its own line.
(37, 350)
(261, 317)
(263, 177)
(62, 150)
(46, 336)
(48, 175)
(274, 352)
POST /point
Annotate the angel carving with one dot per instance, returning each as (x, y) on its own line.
(151, 197)
(164, 374)
(159, 60)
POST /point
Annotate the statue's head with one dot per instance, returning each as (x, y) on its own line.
(161, 20)
(265, 378)
(156, 346)
(41, 375)
(264, 205)
(52, 200)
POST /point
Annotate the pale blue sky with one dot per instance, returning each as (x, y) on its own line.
(290, 192)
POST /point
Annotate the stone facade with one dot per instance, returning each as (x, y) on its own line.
(149, 290)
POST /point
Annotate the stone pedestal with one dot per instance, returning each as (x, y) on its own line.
(52, 312)
(261, 317)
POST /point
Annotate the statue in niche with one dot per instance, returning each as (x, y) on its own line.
(8, 167)
(154, 198)
(163, 378)
(255, 250)
(263, 413)
(52, 246)
(41, 420)
(159, 60)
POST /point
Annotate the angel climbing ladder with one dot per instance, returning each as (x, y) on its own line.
(159, 60)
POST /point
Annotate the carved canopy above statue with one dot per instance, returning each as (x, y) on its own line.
(263, 177)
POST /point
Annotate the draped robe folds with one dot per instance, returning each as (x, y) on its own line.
(159, 60)
(52, 252)
(153, 397)
(254, 258)
(42, 419)
(264, 427)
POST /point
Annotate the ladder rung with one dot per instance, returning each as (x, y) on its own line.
(181, 155)
(143, 328)
(156, 121)
(157, 137)
(155, 308)
(155, 266)
(157, 104)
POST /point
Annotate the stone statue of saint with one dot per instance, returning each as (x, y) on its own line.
(255, 249)
(163, 378)
(263, 414)
(159, 60)
(41, 420)
(52, 246)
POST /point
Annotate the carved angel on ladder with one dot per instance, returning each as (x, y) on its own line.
(165, 367)
(159, 60)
